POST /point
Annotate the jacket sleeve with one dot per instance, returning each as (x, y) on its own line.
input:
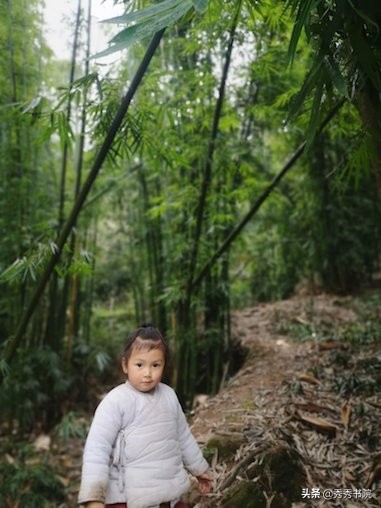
(97, 453)
(192, 457)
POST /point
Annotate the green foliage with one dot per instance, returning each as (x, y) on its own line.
(31, 485)
(275, 234)
(364, 332)
(71, 426)
(98, 357)
(346, 52)
(30, 265)
(344, 252)
(35, 385)
(4, 367)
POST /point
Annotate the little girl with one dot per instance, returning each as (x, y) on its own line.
(139, 446)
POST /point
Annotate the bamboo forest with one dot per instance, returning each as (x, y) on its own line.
(215, 170)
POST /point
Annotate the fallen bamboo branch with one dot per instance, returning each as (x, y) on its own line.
(244, 462)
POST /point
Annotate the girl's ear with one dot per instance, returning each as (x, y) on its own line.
(124, 365)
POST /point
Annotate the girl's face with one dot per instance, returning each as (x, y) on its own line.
(144, 369)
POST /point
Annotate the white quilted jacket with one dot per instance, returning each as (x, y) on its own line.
(138, 449)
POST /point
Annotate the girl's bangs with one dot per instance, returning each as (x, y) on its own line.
(147, 344)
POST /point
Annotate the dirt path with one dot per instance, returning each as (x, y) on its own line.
(273, 358)
(251, 411)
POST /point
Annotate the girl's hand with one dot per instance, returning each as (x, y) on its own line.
(204, 483)
(94, 504)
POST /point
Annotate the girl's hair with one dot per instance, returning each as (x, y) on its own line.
(145, 338)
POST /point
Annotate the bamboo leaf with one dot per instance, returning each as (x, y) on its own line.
(337, 78)
(86, 81)
(345, 414)
(142, 14)
(308, 378)
(314, 118)
(32, 105)
(309, 83)
(200, 5)
(4, 367)
(32, 272)
(64, 130)
(53, 247)
(145, 26)
(319, 424)
(14, 270)
(102, 360)
(151, 26)
(304, 12)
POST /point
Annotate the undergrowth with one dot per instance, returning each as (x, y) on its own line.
(27, 482)
(34, 476)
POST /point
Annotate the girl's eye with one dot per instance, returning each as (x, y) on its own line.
(138, 364)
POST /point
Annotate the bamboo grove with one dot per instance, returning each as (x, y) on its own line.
(229, 155)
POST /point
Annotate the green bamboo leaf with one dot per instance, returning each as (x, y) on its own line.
(293, 5)
(142, 14)
(308, 85)
(4, 367)
(53, 247)
(32, 272)
(14, 270)
(334, 73)
(32, 105)
(150, 26)
(85, 81)
(102, 360)
(200, 5)
(304, 12)
(65, 131)
(315, 113)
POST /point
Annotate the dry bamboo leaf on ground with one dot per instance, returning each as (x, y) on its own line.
(312, 407)
(345, 414)
(308, 378)
(319, 424)
(375, 472)
(332, 344)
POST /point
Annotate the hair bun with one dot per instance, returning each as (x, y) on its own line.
(146, 325)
